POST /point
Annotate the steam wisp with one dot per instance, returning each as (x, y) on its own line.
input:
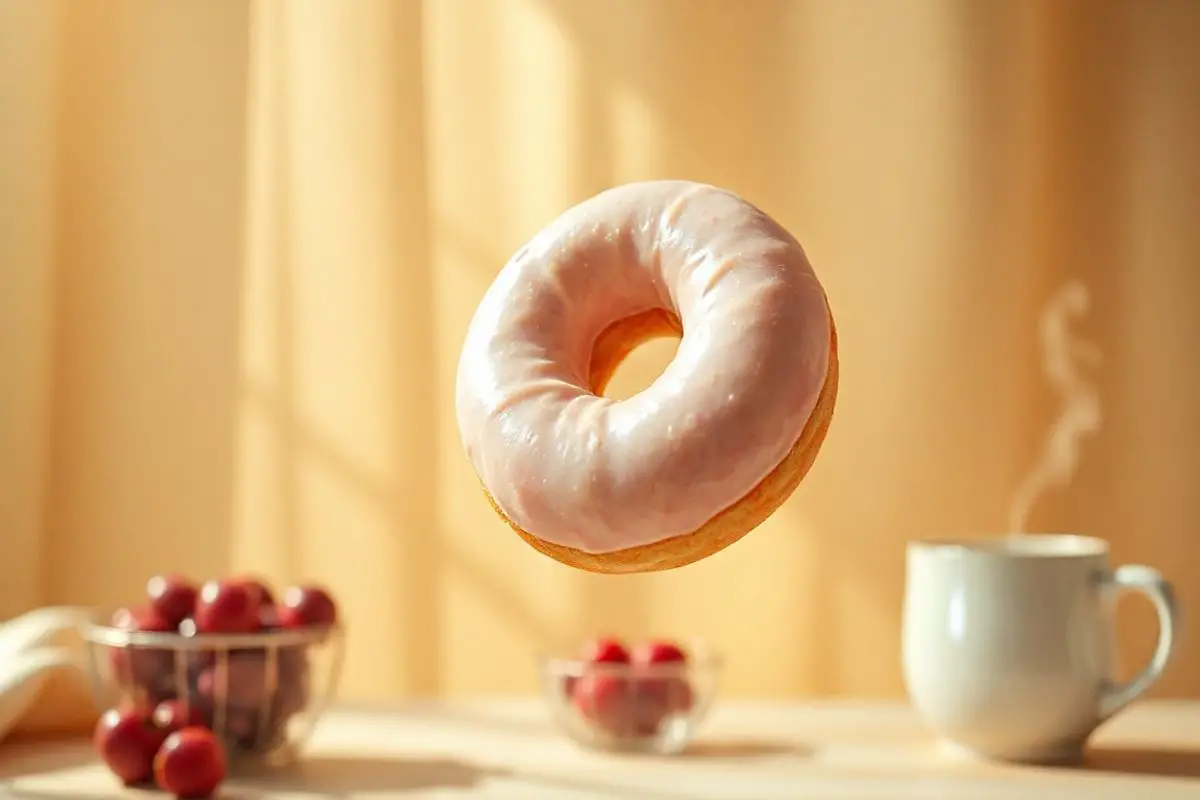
(1064, 360)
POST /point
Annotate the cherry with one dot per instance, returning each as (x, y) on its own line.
(306, 606)
(127, 742)
(191, 763)
(259, 587)
(226, 607)
(679, 696)
(141, 666)
(293, 663)
(172, 596)
(245, 681)
(293, 679)
(197, 659)
(293, 698)
(605, 651)
(174, 715)
(142, 618)
(658, 653)
(657, 698)
(248, 729)
(268, 617)
(242, 726)
(665, 690)
(605, 701)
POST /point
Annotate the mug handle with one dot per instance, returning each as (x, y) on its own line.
(1148, 581)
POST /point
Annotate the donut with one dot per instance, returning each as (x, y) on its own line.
(694, 462)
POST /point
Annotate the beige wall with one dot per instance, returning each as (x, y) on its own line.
(239, 246)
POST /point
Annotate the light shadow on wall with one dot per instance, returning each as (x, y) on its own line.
(28, 44)
(338, 463)
(148, 224)
(1130, 196)
(486, 580)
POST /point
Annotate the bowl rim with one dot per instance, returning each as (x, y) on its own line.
(97, 632)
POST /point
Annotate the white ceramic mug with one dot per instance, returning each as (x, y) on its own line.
(1008, 643)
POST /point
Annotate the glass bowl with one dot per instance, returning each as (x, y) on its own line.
(654, 709)
(260, 693)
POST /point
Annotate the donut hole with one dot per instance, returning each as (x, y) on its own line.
(631, 353)
(641, 367)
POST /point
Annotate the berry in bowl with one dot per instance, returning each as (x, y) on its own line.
(220, 673)
(648, 698)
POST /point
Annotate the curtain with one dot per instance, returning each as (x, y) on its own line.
(241, 242)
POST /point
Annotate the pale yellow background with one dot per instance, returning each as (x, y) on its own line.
(240, 243)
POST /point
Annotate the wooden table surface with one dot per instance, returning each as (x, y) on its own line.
(508, 749)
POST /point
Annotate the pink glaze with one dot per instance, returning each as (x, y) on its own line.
(602, 475)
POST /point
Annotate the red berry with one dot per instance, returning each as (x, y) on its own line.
(658, 653)
(127, 742)
(665, 690)
(142, 618)
(246, 684)
(259, 587)
(680, 697)
(293, 675)
(243, 725)
(307, 606)
(197, 659)
(657, 698)
(172, 596)
(140, 666)
(226, 607)
(605, 651)
(173, 715)
(268, 617)
(606, 701)
(190, 764)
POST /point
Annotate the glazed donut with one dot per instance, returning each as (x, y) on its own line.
(712, 447)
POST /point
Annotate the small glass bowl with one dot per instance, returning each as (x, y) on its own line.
(260, 693)
(630, 709)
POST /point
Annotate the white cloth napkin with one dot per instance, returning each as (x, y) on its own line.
(38, 649)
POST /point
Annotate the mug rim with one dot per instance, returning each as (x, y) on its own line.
(1016, 546)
